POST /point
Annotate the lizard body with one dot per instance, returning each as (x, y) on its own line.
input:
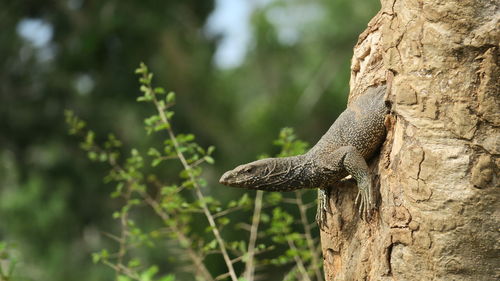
(343, 150)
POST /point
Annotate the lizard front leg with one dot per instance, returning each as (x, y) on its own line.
(351, 162)
(356, 166)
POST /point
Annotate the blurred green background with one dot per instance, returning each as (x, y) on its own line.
(241, 69)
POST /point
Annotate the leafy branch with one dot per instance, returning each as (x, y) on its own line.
(150, 94)
(142, 192)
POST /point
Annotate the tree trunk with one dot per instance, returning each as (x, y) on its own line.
(436, 179)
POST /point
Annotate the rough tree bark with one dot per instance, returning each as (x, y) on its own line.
(437, 188)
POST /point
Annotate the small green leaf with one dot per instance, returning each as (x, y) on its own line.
(169, 114)
(232, 204)
(104, 253)
(211, 245)
(92, 155)
(134, 262)
(134, 202)
(274, 198)
(150, 121)
(210, 150)
(96, 257)
(145, 89)
(89, 139)
(156, 162)
(161, 126)
(123, 278)
(141, 69)
(209, 159)
(159, 90)
(153, 152)
(142, 98)
(169, 277)
(224, 221)
(149, 273)
(209, 229)
(170, 97)
(244, 201)
(242, 246)
(103, 157)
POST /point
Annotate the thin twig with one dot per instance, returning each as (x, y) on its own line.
(123, 269)
(298, 261)
(227, 211)
(124, 232)
(289, 201)
(222, 276)
(249, 267)
(195, 257)
(308, 236)
(197, 190)
(184, 240)
(244, 226)
(114, 237)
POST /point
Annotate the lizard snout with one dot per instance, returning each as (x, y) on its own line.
(226, 178)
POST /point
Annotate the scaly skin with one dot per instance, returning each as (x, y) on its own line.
(352, 140)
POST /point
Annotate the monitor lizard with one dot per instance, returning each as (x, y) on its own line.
(352, 139)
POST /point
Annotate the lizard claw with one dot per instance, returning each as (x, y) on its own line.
(320, 218)
(323, 207)
(365, 201)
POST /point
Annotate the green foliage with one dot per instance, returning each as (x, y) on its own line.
(289, 143)
(136, 190)
(178, 204)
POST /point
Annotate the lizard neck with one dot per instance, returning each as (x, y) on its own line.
(288, 173)
(274, 174)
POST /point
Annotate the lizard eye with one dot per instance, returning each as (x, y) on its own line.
(248, 169)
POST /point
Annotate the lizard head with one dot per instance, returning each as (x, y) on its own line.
(249, 175)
